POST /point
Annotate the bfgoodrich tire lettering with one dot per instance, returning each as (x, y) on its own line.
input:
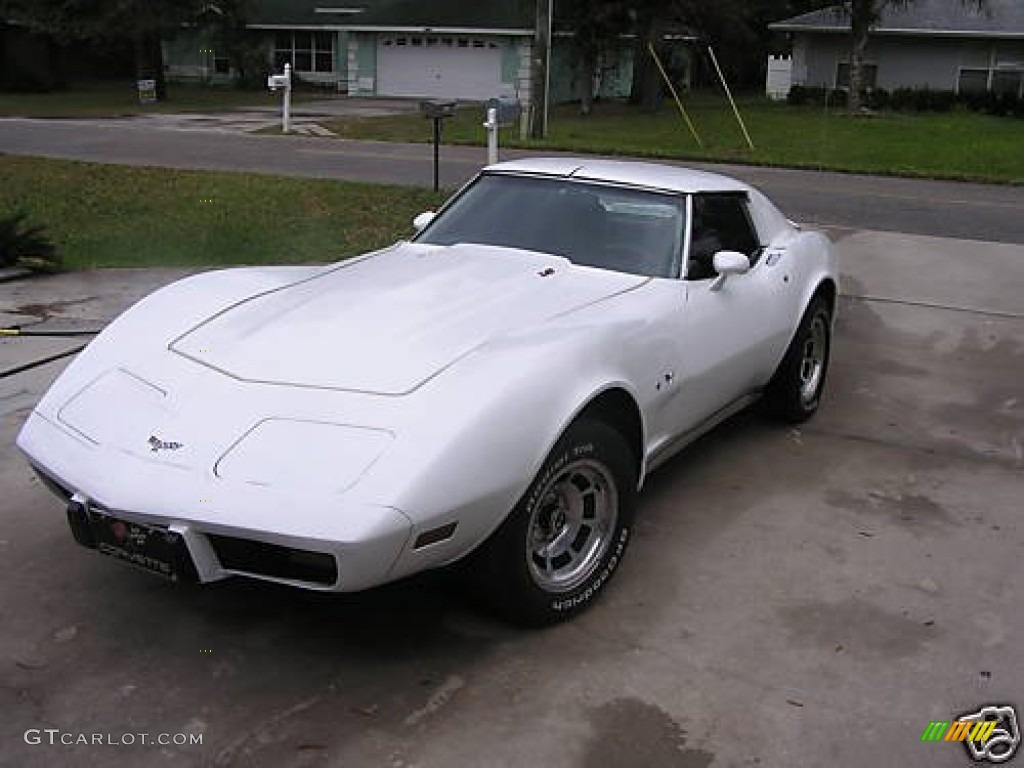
(564, 540)
(794, 392)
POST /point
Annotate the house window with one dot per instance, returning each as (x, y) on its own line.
(221, 63)
(305, 51)
(868, 75)
(997, 80)
(323, 51)
(303, 61)
(973, 81)
(1007, 81)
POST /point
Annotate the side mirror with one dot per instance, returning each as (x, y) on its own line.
(421, 221)
(729, 263)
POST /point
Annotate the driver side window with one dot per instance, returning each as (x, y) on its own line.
(721, 222)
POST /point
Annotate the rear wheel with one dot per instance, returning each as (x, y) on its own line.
(565, 538)
(794, 392)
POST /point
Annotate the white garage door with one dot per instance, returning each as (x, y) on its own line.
(441, 66)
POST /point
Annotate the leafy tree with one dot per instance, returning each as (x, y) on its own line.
(596, 28)
(227, 25)
(142, 22)
(737, 28)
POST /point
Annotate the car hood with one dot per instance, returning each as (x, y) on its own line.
(386, 323)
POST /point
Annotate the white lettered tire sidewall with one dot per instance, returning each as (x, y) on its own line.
(514, 587)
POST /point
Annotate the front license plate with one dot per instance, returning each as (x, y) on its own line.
(154, 549)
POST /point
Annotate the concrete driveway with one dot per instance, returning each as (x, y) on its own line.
(306, 116)
(793, 597)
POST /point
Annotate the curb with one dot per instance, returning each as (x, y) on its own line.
(7, 274)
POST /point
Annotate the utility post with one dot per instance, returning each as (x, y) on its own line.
(541, 65)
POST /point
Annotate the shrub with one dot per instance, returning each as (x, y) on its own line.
(913, 100)
(878, 98)
(1005, 105)
(922, 100)
(838, 97)
(797, 95)
(26, 246)
(800, 95)
(999, 104)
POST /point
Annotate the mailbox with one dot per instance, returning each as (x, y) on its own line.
(437, 110)
(508, 110)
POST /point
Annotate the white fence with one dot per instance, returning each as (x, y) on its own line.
(780, 76)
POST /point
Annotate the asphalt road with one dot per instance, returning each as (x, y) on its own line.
(944, 209)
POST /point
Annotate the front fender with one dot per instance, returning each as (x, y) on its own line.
(512, 405)
(818, 262)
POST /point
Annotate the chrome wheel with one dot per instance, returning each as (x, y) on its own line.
(812, 361)
(571, 526)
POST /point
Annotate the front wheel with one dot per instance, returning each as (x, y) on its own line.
(563, 541)
(794, 392)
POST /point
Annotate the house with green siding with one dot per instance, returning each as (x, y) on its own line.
(401, 48)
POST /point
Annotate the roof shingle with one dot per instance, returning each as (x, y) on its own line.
(441, 14)
(996, 18)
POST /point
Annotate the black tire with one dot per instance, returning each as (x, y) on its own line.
(794, 392)
(528, 573)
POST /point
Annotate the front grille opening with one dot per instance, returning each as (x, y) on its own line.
(274, 560)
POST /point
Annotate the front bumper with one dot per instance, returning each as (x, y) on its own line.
(313, 540)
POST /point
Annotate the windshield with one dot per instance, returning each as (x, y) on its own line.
(594, 225)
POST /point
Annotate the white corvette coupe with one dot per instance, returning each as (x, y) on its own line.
(493, 391)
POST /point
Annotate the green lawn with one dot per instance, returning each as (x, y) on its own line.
(957, 145)
(117, 216)
(120, 99)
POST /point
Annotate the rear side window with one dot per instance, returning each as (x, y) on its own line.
(726, 215)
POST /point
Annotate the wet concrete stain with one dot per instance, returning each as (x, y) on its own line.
(908, 510)
(891, 367)
(858, 626)
(631, 733)
(993, 423)
(835, 233)
(50, 308)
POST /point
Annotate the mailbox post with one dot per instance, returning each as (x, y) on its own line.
(500, 113)
(437, 111)
(283, 82)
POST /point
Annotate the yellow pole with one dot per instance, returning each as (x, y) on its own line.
(679, 103)
(725, 85)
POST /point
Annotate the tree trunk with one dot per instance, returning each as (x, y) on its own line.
(588, 66)
(863, 14)
(539, 95)
(149, 61)
(645, 89)
(155, 60)
(641, 61)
